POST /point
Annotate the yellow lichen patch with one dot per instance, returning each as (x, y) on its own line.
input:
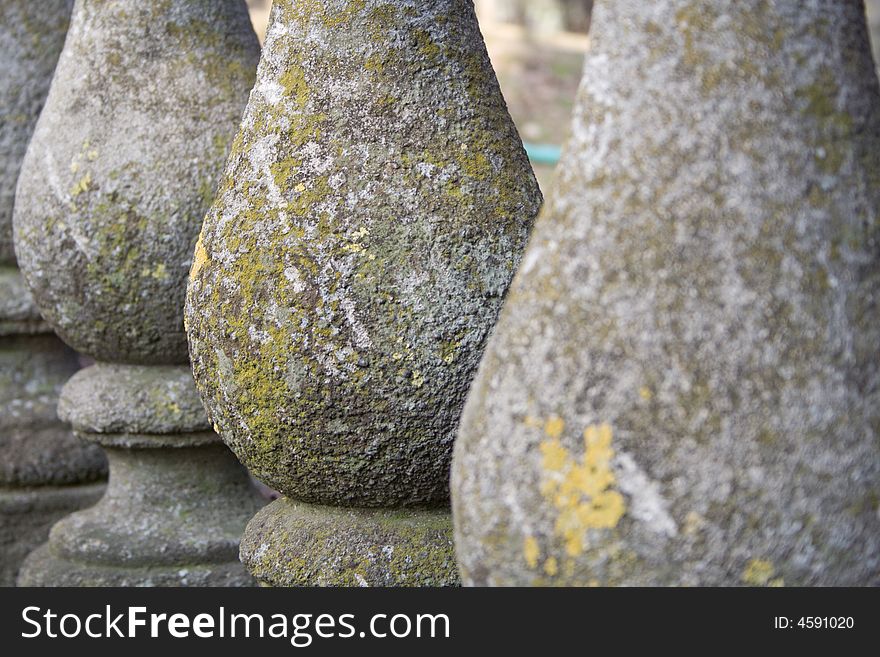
(159, 272)
(554, 427)
(295, 85)
(417, 379)
(582, 492)
(693, 522)
(760, 572)
(551, 566)
(199, 259)
(531, 551)
(646, 394)
(83, 185)
(555, 456)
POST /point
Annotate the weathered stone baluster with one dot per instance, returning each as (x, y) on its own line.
(116, 181)
(683, 385)
(374, 209)
(45, 473)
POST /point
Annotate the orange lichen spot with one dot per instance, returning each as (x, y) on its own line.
(199, 259)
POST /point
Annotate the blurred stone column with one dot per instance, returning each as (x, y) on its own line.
(121, 169)
(684, 385)
(374, 209)
(45, 473)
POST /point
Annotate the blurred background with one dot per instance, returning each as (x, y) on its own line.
(537, 48)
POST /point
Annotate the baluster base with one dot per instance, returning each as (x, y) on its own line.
(291, 543)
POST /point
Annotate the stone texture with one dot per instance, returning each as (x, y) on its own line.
(176, 503)
(123, 164)
(27, 513)
(373, 211)
(120, 398)
(45, 473)
(31, 37)
(18, 314)
(121, 169)
(37, 449)
(683, 385)
(295, 544)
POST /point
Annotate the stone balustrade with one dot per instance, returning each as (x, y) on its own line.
(45, 473)
(117, 178)
(372, 213)
(681, 386)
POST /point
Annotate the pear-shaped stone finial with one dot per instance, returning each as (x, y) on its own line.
(124, 160)
(45, 472)
(684, 385)
(31, 38)
(373, 211)
(122, 167)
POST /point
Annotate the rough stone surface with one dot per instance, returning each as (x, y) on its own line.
(121, 169)
(373, 211)
(135, 399)
(26, 514)
(36, 448)
(294, 544)
(175, 505)
(163, 502)
(42, 568)
(18, 314)
(123, 165)
(45, 472)
(31, 37)
(683, 386)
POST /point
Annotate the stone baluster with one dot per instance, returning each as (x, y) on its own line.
(374, 209)
(116, 181)
(45, 473)
(683, 385)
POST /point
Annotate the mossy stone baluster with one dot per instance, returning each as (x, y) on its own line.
(683, 385)
(374, 209)
(45, 473)
(121, 169)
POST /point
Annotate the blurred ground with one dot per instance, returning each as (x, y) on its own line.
(538, 62)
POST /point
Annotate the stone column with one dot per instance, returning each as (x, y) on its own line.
(45, 473)
(683, 385)
(116, 181)
(373, 211)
